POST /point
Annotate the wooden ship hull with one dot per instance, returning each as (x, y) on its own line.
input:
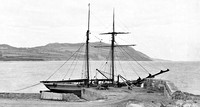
(66, 86)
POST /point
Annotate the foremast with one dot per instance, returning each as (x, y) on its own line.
(112, 48)
(87, 48)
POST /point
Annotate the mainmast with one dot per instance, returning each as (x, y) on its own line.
(87, 46)
(113, 34)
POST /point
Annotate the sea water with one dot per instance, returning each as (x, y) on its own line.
(16, 75)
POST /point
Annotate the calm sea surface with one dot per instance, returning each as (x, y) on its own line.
(15, 75)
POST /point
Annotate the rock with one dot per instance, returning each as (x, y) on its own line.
(179, 103)
(187, 103)
(190, 105)
(134, 105)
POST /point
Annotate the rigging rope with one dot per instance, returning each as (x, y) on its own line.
(100, 22)
(73, 61)
(124, 27)
(151, 64)
(103, 65)
(121, 66)
(77, 57)
(98, 52)
(50, 75)
(147, 63)
(70, 67)
(73, 69)
(65, 62)
(107, 58)
(135, 60)
(129, 63)
(27, 87)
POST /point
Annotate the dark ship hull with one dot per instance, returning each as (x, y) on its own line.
(66, 86)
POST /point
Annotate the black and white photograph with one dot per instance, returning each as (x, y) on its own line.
(99, 53)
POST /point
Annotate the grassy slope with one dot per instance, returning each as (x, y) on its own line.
(63, 51)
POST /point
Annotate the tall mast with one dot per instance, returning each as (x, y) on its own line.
(113, 34)
(87, 47)
(112, 48)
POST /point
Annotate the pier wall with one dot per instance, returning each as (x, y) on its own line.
(47, 95)
(162, 86)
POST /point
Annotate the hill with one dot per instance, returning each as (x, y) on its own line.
(63, 51)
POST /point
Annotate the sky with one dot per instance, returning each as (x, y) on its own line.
(164, 29)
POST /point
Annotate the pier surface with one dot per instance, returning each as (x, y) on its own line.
(115, 97)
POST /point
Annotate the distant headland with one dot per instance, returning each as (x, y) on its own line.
(63, 51)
